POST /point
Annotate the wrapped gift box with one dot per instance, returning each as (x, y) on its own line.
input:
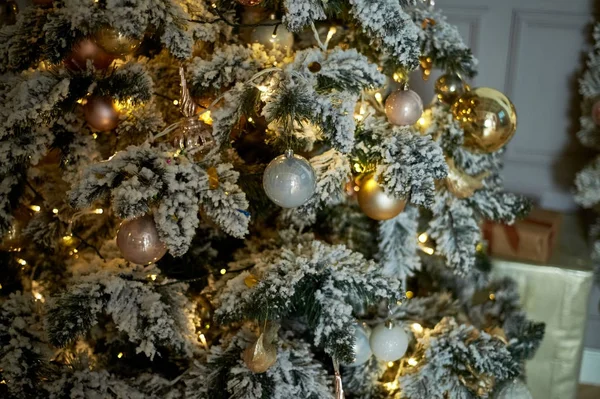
(531, 239)
(556, 293)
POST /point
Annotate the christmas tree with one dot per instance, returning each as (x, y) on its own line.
(587, 181)
(246, 200)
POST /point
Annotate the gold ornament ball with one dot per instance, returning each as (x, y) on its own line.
(449, 87)
(101, 114)
(375, 203)
(84, 50)
(116, 43)
(8, 12)
(488, 118)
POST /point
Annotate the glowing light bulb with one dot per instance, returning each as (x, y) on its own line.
(250, 120)
(55, 211)
(412, 362)
(378, 97)
(175, 102)
(423, 237)
(263, 88)
(492, 296)
(390, 364)
(99, 211)
(223, 271)
(22, 262)
(120, 355)
(38, 296)
(203, 340)
(35, 208)
(153, 277)
(428, 250)
(417, 328)
(94, 136)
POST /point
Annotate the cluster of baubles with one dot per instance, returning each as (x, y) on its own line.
(386, 341)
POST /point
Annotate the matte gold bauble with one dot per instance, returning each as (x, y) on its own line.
(262, 354)
(375, 203)
(460, 183)
(488, 118)
(84, 50)
(449, 87)
(101, 114)
(8, 12)
(115, 42)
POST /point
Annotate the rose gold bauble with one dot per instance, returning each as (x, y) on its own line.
(375, 203)
(139, 242)
(100, 113)
(403, 107)
(114, 42)
(488, 118)
(87, 49)
(596, 112)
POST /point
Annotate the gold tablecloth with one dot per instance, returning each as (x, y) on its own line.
(558, 295)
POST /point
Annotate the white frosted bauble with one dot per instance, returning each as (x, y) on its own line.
(515, 389)
(282, 40)
(388, 344)
(403, 107)
(362, 347)
(289, 180)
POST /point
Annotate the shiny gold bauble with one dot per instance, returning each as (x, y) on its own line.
(375, 203)
(84, 50)
(488, 118)
(449, 87)
(115, 42)
(262, 354)
(101, 114)
(8, 12)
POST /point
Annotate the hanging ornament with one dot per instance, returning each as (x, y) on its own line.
(488, 118)
(461, 184)
(375, 203)
(388, 342)
(403, 107)
(596, 112)
(84, 50)
(289, 180)
(115, 42)
(139, 242)
(100, 113)
(361, 347)
(262, 354)
(449, 87)
(272, 37)
(8, 12)
(193, 135)
(339, 388)
(426, 66)
(251, 281)
(515, 389)
(249, 3)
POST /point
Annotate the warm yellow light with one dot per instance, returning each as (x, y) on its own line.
(175, 102)
(378, 97)
(203, 340)
(358, 117)
(206, 117)
(250, 119)
(390, 364)
(0, 286)
(38, 296)
(223, 271)
(409, 294)
(22, 262)
(416, 327)
(55, 211)
(358, 167)
(492, 297)
(153, 277)
(423, 237)
(75, 251)
(81, 101)
(3, 382)
(392, 386)
(412, 362)
(263, 88)
(120, 355)
(99, 211)
(94, 136)
(331, 32)
(428, 250)
(207, 326)
(67, 239)
(35, 208)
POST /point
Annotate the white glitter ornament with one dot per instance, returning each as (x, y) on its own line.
(403, 107)
(515, 389)
(388, 342)
(289, 180)
(362, 347)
